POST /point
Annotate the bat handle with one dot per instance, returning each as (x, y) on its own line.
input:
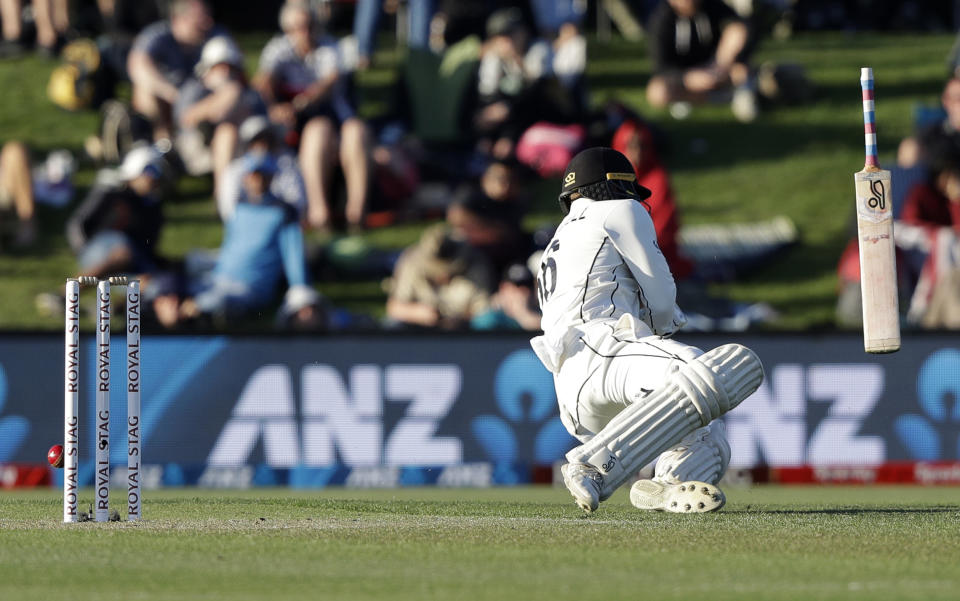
(869, 119)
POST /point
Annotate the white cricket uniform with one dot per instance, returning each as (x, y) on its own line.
(609, 302)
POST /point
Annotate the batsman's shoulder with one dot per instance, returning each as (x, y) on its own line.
(624, 206)
(622, 211)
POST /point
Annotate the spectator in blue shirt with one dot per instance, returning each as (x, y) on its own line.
(263, 245)
(258, 136)
(513, 306)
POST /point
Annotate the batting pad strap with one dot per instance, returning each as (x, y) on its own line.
(701, 463)
(703, 455)
(737, 373)
(699, 384)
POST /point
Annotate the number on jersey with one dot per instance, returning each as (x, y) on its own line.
(547, 278)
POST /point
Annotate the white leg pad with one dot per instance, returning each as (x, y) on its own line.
(702, 456)
(699, 392)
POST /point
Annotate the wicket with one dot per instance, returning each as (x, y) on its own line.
(71, 419)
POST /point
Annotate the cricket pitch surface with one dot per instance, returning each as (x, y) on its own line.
(527, 543)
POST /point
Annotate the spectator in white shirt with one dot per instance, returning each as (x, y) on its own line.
(304, 76)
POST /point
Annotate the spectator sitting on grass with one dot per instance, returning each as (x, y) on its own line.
(367, 19)
(635, 140)
(522, 81)
(920, 149)
(303, 76)
(514, 306)
(116, 228)
(927, 247)
(933, 260)
(932, 204)
(51, 18)
(440, 282)
(258, 137)
(491, 227)
(16, 195)
(564, 56)
(699, 47)
(262, 245)
(211, 107)
(163, 56)
(936, 202)
(499, 183)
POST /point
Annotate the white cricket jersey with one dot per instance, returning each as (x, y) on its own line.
(603, 263)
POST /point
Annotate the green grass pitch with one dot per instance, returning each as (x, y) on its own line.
(506, 543)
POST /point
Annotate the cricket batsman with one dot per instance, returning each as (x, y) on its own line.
(627, 391)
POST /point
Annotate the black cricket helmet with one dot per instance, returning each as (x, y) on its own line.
(600, 173)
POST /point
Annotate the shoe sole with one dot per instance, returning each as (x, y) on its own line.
(686, 497)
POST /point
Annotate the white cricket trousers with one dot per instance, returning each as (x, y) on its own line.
(610, 368)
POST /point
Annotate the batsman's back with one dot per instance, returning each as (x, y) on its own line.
(589, 270)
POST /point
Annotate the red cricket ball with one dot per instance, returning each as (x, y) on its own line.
(55, 455)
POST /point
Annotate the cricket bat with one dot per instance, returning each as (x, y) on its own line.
(878, 269)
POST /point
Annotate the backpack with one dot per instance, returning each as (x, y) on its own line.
(547, 148)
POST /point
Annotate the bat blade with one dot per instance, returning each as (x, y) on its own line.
(878, 270)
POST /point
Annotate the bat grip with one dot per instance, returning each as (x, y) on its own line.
(869, 119)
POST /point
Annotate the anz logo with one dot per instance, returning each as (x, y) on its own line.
(774, 425)
(340, 417)
(527, 424)
(934, 432)
(14, 429)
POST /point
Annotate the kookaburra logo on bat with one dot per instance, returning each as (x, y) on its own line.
(878, 200)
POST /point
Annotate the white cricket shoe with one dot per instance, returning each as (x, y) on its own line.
(584, 483)
(685, 497)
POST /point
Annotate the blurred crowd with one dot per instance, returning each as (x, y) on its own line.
(490, 99)
(926, 207)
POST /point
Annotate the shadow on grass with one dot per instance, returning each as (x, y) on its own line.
(847, 511)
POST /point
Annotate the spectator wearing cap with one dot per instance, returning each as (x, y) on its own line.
(304, 77)
(514, 306)
(258, 137)
(163, 57)
(262, 246)
(211, 106)
(117, 226)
